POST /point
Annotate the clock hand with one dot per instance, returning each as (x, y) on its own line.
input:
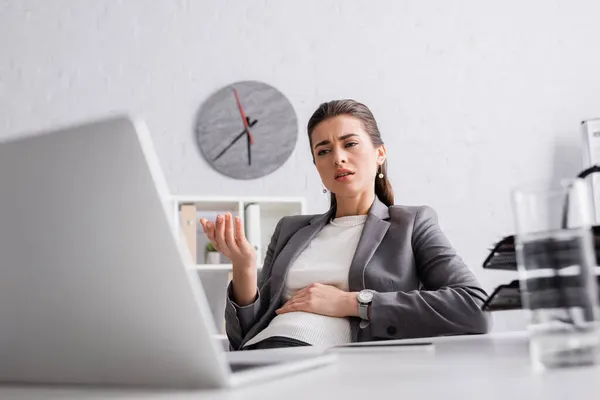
(243, 114)
(238, 137)
(249, 143)
(249, 140)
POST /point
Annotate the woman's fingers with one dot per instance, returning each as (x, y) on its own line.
(227, 235)
(240, 236)
(300, 293)
(290, 307)
(229, 238)
(296, 298)
(220, 231)
(209, 229)
(284, 308)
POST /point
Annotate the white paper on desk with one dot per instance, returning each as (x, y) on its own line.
(384, 346)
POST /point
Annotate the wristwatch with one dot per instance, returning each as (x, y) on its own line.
(365, 297)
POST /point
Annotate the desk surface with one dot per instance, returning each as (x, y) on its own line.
(463, 367)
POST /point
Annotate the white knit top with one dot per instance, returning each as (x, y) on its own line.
(325, 260)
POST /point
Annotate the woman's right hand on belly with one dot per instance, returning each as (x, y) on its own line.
(232, 242)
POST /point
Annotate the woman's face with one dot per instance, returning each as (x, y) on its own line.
(345, 156)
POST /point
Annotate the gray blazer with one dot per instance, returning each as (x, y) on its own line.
(423, 288)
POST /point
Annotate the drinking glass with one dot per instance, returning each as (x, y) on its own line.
(556, 262)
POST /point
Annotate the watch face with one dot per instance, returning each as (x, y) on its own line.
(246, 130)
(365, 296)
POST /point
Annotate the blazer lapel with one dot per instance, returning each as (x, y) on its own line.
(373, 232)
(297, 243)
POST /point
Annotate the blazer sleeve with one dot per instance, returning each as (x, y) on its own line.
(450, 299)
(238, 319)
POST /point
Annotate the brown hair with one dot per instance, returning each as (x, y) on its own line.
(383, 188)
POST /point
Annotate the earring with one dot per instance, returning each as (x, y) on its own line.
(380, 173)
(324, 189)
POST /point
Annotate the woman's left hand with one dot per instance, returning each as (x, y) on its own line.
(322, 299)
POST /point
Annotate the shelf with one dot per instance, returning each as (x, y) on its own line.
(211, 267)
(215, 207)
(238, 199)
(214, 267)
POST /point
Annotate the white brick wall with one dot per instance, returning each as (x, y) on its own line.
(471, 96)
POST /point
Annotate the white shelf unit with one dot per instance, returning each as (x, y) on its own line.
(186, 213)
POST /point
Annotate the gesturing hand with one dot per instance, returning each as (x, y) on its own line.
(322, 299)
(233, 246)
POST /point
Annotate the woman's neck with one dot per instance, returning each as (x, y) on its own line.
(355, 205)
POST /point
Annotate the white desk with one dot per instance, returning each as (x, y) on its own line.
(468, 367)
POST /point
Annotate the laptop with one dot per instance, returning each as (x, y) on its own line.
(95, 284)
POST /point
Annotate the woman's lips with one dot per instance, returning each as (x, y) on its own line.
(344, 178)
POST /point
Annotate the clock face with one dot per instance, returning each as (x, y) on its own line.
(247, 130)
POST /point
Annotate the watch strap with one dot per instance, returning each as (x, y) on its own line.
(363, 311)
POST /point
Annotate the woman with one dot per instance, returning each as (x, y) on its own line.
(365, 270)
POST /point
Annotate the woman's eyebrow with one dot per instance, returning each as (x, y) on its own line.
(343, 137)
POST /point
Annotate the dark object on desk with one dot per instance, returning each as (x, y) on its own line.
(546, 291)
(503, 256)
(547, 295)
(505, 297)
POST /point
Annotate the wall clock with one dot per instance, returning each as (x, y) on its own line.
(246, 130)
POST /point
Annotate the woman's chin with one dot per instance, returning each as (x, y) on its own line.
(347, 190)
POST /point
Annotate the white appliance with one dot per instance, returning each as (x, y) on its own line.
(590, 130)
